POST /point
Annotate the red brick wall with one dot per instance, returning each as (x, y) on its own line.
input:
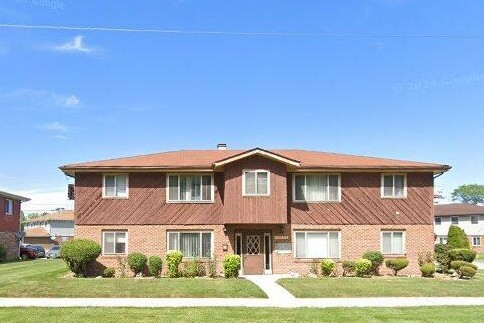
(9, 241)
(9, 223)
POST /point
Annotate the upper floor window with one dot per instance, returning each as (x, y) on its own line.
(474, 219)
(454, 219)
(438, 220)
(394, 185)
(115, 185)
(255, 182)
(393, 242)
(317, 188)
(8, 207)
(190, 188)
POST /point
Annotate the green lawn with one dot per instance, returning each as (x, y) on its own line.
(225, 314)
(44, 278)
(480, 256)
(383, 286)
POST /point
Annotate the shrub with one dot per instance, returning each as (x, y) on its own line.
(467, 271)
(462, 254)
(396, 264)
(363, 267)
(155, 264)
(137, 262)
(173, 260)
(442, 257)
(456, 264)
(3, 253)
(327, 267)
(428, 270)
(425, 258)
(457, 238)
(78, 253)
(376, 259)
(121, 267)
(348, 267)
(212, 267)
(109, 272)
(314, 268)
(231, 265)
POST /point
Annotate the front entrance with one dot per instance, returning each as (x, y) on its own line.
(254, 247)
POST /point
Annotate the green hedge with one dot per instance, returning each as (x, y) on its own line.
(457, 238)
(173, 260)
(456, 264)
(3, 253)
(462, 254)
(363, 267)
(327, 267)
(109, 272)
(348, 267)
(155, 265)
(137, 262)
(376, 258)
(428, 270)
(467, 272)
(442, 257)
(231, 264)
(78, 253)
(396, 264)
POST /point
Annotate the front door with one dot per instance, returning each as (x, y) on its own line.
(253, 253)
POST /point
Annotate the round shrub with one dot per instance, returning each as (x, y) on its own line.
(137, 262)
(376, 258)
(467, 272)
(3, 253)
(457, 238)
(428, 270)
(193, 268)
(442, 257)
(78, 253)
(363, 267)
(456, 264)
(462, 254)
(348, 267)
(231, 264)
(155, 265)
(396, 264)
(327, 267)
(109, 272)
(173, 260)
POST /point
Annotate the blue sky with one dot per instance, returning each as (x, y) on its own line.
(72, 96)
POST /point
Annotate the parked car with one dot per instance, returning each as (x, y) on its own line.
(53, 252)
(26, 252)
(39, 250)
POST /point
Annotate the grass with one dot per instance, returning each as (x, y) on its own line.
(225, 314)
(383, 286)
(44, 278)
(480, 256)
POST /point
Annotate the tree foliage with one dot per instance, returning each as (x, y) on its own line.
(457, 238)
(470, 193)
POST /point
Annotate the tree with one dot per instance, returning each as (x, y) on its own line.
(457, 238)
(470, 193)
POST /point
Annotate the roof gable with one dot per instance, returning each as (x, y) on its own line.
(258, 152)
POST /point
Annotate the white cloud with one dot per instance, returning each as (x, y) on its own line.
(44, 97)
(61, 137)
(77, 44)
(68, 101)
(45, 200)
(54, 126)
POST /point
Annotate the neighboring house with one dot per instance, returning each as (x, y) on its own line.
(281, 210)
(50, 229)
(10, 222)
(467, 216)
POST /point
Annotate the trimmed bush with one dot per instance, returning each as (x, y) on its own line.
(467, 272)
(212, 267)
(348, 267)
(456, 264)
(109, 272)
(173, 260)
(231, 265)
(327, 267)
(457, 238)
(396, 264)
(155, 265)
(428, 270)
(376, 258)
(363, 267)
(462, 254)
(193, 268)
(442, 257)
(3, 253)
(78, 253)
(137, 262)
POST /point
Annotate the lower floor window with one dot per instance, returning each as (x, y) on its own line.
(114, 242)
(476, 241)
(392, 242)
(442, 239)
(191, 244)
(317, 244)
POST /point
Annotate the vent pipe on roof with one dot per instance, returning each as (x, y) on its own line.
(222, 147)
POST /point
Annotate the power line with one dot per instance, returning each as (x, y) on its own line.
(244, 33)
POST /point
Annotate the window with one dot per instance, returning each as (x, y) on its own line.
(394, 186)
(454, 219)
(393, 242)
(115, 185)
(316, 188)
(115, 242)
(190, 188)
(191, 244)
(255, 182)
(313, 244)
(438, 220)
(476, 241)
(442, 239)
(8, 207)
(474, 219)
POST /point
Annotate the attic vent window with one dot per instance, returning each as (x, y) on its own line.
(222, 147)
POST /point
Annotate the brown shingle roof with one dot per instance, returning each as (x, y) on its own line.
(36, 232)
(205, 159)
(58, 216)
(14, 197)
(458, 209)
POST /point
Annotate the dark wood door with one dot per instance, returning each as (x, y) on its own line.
(253, 253)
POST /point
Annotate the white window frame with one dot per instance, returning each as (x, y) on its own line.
(306, 201)
(439, 222)
(10, 206)
(115, 232)
(452, 222)
(212, 188)
(115, 187)
(294, 246)
(393, 189)
(404, 242)
(256, 171)
(473, 241)
(442, 239)
(212, 242)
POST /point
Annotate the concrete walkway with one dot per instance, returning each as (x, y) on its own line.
(479, 264)
(272, 289)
